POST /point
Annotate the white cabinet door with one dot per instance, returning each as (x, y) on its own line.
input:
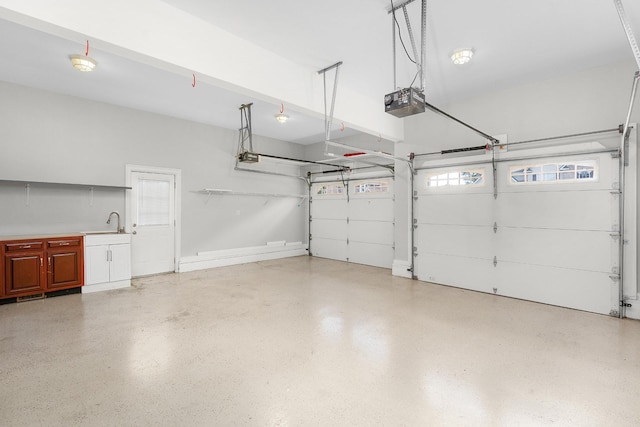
(120, 265)
(96, 264)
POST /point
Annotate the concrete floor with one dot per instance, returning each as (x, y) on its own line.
(307, 341)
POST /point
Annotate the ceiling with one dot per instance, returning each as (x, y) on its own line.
(514, 43)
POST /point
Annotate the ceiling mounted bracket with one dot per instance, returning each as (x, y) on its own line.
(245, 137)
(419, 59)
(627, 29)
(328, 117)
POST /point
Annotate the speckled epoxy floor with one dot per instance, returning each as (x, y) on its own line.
(307, 341)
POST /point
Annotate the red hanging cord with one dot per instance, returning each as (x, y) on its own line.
(194, 81)
(86, 52)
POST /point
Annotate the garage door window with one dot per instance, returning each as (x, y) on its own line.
(377, 186)
(329, 189)
(456, 178)
(563, 172)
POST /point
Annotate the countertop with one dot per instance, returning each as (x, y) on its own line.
(40, 236)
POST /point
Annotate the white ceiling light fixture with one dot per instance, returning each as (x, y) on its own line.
(82, 63)
(282, 118)
(462, 56)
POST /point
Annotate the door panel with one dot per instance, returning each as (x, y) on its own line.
(555, 242)
(377, 232)
(579, 289)
(356, 229)
(371, 254)
(329, 248)
(152, 201)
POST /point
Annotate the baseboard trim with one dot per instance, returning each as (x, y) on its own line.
(401, 269)
(226, 257)
(87, 289)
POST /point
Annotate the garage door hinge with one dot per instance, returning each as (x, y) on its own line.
(614, 277)
(615, 236)
(623, 303)
(615, 155)
(495, 261)
(310, 218)
(347, 244)
(495, 227)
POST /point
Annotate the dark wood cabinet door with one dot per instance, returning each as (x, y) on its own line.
(23, 273)
(64, 269)
(64, 263)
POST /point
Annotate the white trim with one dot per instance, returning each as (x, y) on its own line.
(108, 286)
(401, 268)
(177, 175)
(226, 257)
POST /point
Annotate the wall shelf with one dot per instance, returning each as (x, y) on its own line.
(219, 191)
(64, 184)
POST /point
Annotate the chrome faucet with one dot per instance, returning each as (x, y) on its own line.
(120, 230)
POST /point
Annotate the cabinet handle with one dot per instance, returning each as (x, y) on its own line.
(41, 262)
(64, 244)
(49, 260)
(25, 246)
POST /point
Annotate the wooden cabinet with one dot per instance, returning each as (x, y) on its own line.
(24, 271)
(35, 266)
(64, 263)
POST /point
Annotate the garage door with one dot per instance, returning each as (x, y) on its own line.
(354, 226)
(549, 236)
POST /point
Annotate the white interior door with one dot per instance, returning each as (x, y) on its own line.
(152, 218)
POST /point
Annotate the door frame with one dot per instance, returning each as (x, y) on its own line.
(177, 176)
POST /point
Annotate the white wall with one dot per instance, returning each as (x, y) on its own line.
(591, 100)
(55, 138)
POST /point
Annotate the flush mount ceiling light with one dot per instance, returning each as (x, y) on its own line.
(282, 118)
(82, 63)
(462, 56)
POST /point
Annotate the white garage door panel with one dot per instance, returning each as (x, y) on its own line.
(465, 241)
(329, 208)
(359, 229)
(563, 210)
(370, 209)
(371, 232)
(468, 209)
(328, 248)
(462, 272)
(371, 254)
(553, 242)
(582, 250)
(329, 229)
(557, 286)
